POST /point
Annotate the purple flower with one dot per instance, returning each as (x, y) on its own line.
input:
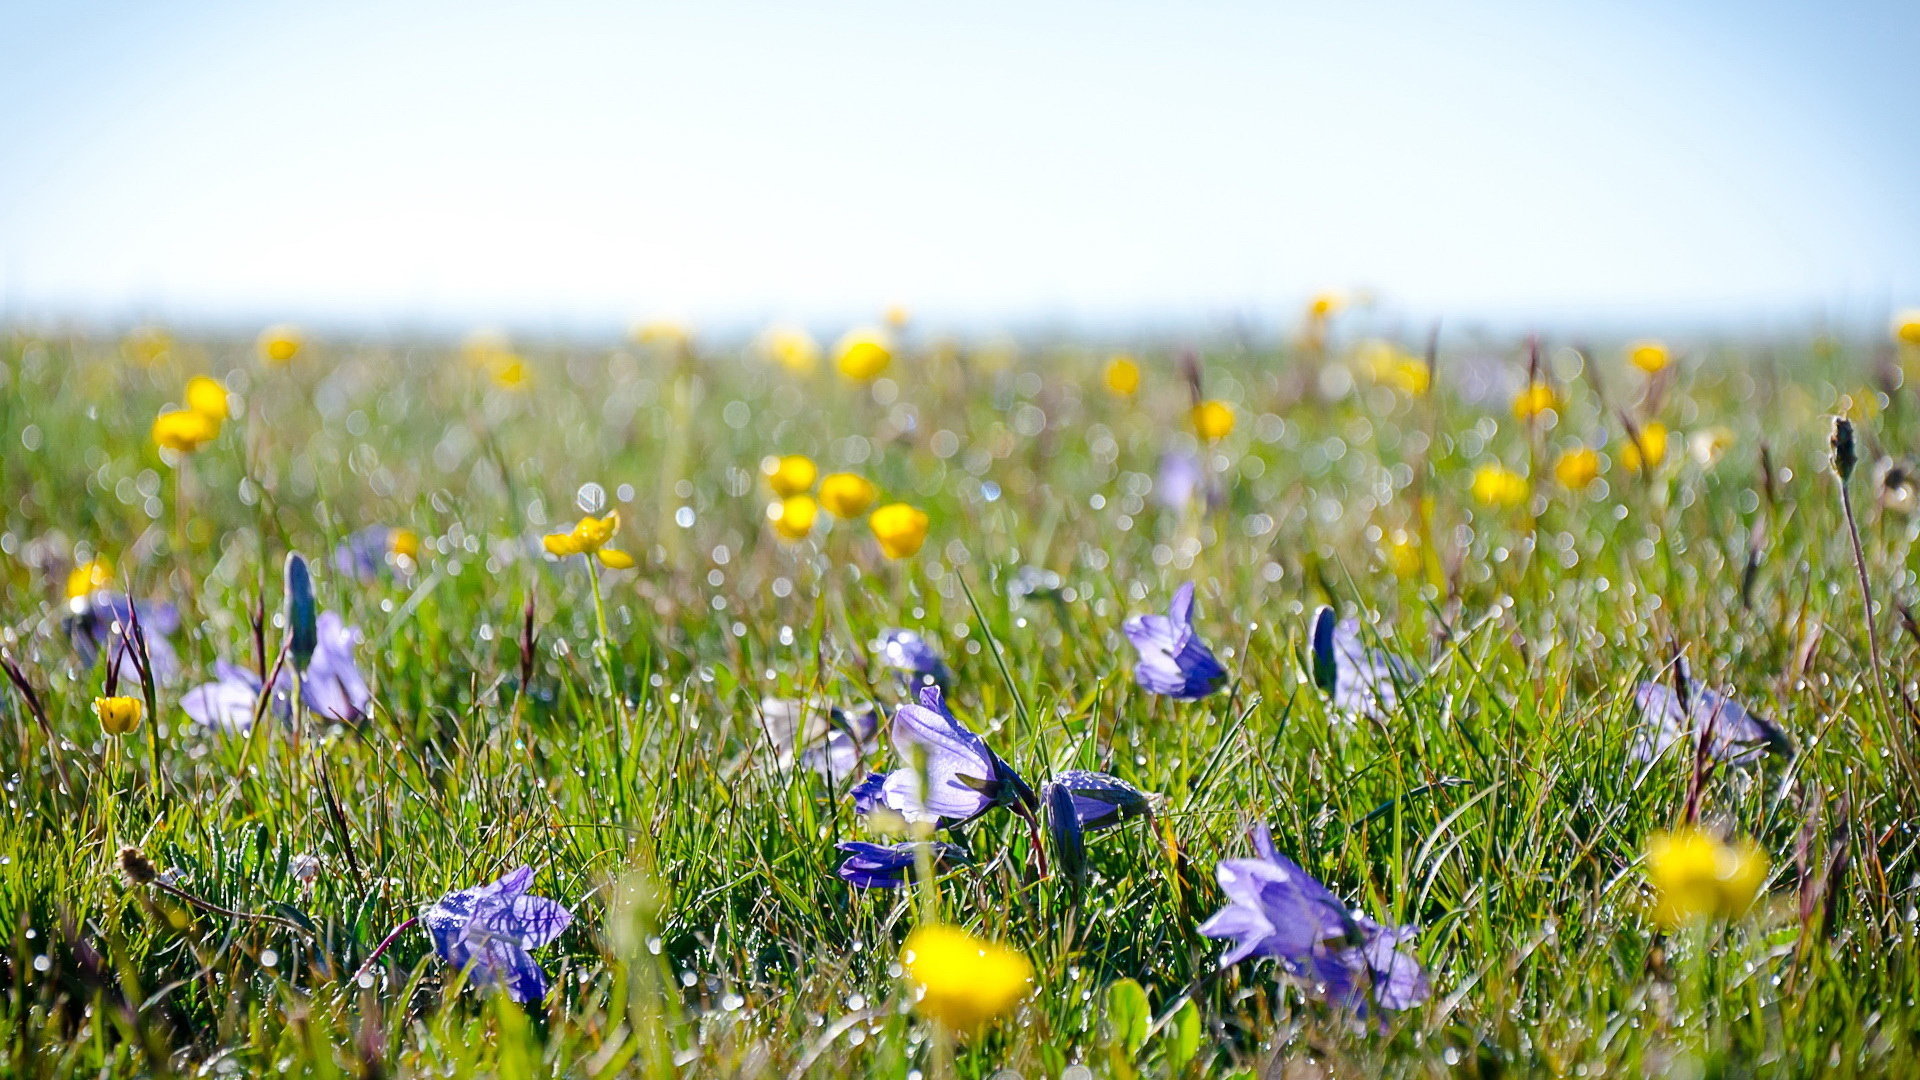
(1101, 801)
(103, 620)
(1069, 835)
(963, 779)
(886, 866)
(819, 735)
(488, 930)
(1737, 737)
(909, 653)
(227, 703)
(1361, 681)
(333, 686)
(1181, 477)
(869, 794)
(1173, 659)
(1274, 909)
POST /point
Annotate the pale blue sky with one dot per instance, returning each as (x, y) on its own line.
(576, 165)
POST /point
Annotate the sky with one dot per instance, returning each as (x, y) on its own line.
(578, 165)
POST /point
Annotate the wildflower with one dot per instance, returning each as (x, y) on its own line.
(1323, 305)
(89, 577)
(1173, 659)
(366, 551)
(1497, 485)
(819, 735)
(863, 354)
(1646, 448)
(1387, 363)
(847, 496)
(1401, 553)
(900, 529)
(227, 704)
(791, 347)
(1906, 327)
(869, 795)
(1361, 681)
(962, 777)
(1708, 446)
(790, 475)
(184, 430)
(1734, 735)
(509, 372)
(488, 930)
(280, 343)
(906, 651)
(590, 536)
(147, 345)
(1275, 909)
(1101, 801)
(102, 619)
(1698, 876)
(887, 866)
(897, 316)
(1536, 398)
(1213, 420)
(1068, 834)
(1180, 478)
(333, 686)
(793, 516)
(208, 398)
(1651, 357)
(303, 632)
(963, 982)
(1577, 468)
(1121, 375)
(119, 715)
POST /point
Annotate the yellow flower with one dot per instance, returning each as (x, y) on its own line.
(279, 344)
(897, 316)
(184, 430)
(1906, 327)
(1213, 420)
(1577, 468)
(1696, 875)
(1402, 555)
(793, 516)
(1497, 485)
(1537, 398)
(1649, 356)
(589, 536)
(1323, 305)
(668, 333)
(960, 981)
(900, 528)
(847, 496)
(792, 348)
(404, 542)
(1649, 450)
(482, 346)
(118, 715)
(207, 397)
(508, 372)
(148, 345)
(1122, 376)
(789, 476)
(89, 578)
(863, 354)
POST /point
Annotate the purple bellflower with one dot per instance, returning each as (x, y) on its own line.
(1101, 801)
(488, 930)
(819, 735)
(1181, 478)
(1068, 833)
(888, 866)
(910, 654)
(963, 778)
(1173, 659)
(227, 703)
(1275, 909)
(1734, 735)
(1361, 681)
(333, 687)
(103, 619)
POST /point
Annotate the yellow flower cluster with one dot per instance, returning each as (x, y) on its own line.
(960, 981)
(794, 509)
(186, 430)
(589, 536)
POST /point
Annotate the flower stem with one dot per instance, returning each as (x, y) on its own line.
(380, 949)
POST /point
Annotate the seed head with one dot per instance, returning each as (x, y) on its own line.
(138, 868)
(1841, 443)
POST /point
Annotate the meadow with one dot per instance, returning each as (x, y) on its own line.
(663, 713)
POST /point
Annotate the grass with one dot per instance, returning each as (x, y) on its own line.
(1497, 807)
